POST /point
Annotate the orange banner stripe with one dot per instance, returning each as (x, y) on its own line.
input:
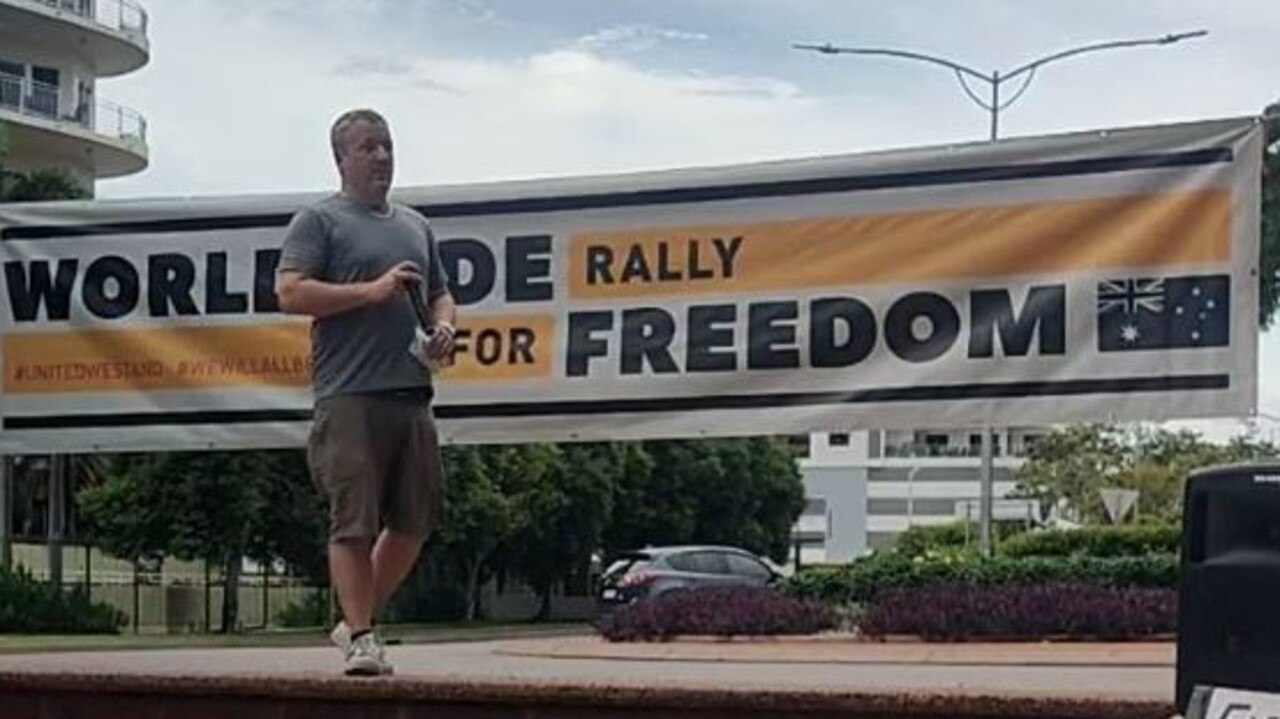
(503, 347)
(491, 348)
(276, 355)
(1150, 230)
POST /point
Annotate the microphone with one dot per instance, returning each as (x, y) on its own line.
(420, 309)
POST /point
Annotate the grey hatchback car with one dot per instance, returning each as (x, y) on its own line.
(654, 571)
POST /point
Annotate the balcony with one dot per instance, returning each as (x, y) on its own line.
(110, 34)
(112, 14)
(112, 136)
(922, 449)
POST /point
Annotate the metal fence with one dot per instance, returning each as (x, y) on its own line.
(177, 596)
(102, 117)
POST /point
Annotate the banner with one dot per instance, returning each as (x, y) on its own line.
(1089, 276)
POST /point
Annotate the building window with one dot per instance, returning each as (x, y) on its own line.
(935, 444)
(815, 507)
(1029, 443)
(838, 439)
(44, 91)
(45, 75)
(11, 76)
(799, 445)
(975, 445)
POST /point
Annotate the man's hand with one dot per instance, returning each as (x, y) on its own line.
(441, 345)
(393, 282)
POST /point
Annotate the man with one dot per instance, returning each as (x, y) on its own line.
(352, 261)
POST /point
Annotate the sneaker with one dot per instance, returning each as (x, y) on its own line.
(364, 657)
(341, 637)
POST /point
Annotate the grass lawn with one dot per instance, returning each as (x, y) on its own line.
(395, 633)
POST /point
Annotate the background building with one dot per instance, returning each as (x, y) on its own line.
(52, 53)
(863, 488)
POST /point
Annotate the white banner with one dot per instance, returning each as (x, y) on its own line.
(1090, 276)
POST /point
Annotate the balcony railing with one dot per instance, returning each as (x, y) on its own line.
(102, 117)
(120, 15)
(921, 449)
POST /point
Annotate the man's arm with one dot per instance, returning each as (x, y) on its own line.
(300, 288)
(443, 309)
(304, 295)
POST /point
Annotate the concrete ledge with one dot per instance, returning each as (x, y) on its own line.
(35, 695)
(846, 649)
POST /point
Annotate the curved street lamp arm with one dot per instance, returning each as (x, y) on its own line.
(906, 54)
(1115, 44)
(1025, 84)
(964, 83)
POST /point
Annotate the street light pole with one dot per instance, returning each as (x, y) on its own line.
(964, 74)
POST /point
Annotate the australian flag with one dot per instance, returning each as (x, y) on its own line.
(1164, 313)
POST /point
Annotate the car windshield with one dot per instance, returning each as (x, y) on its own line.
(623, 564)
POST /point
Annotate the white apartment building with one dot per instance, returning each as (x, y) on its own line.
(863, 488)
(52, 53)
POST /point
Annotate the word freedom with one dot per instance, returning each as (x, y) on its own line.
(833, 332)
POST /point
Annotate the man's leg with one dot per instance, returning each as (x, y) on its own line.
(414, 500)
(351, 569)
(393, 557)
(345, 453)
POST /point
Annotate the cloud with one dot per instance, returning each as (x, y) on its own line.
(391, 71)
(636, 37)
(377, 66)
(487, 104)
(749, 87)
(457, 117)
(472, 10)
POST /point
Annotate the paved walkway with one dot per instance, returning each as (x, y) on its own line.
(839, 649)
(1123, 672)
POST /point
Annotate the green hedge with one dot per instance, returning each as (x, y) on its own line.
(863, 580)
(30, 606)
(920, 539)
(1015, 541)
(917, 540)
(1122, 541)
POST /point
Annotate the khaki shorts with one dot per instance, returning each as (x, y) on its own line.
(376, 457)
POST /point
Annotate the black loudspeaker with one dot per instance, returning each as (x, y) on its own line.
(1229, 589)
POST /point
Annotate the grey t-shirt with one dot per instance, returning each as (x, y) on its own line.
(365, 349)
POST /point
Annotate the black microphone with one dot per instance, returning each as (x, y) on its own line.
(420, 309)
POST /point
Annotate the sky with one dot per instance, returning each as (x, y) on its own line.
(239, 94)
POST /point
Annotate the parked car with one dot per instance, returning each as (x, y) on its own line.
(654, 571)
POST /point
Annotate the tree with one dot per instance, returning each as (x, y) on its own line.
(778, 487)
(567, 491)
(40, 186)
(294, 523)
(1068, 467)
(215, 506)
(651, 504)
(541, 512)
(122, 510)
(480, 514)
(743, 492)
